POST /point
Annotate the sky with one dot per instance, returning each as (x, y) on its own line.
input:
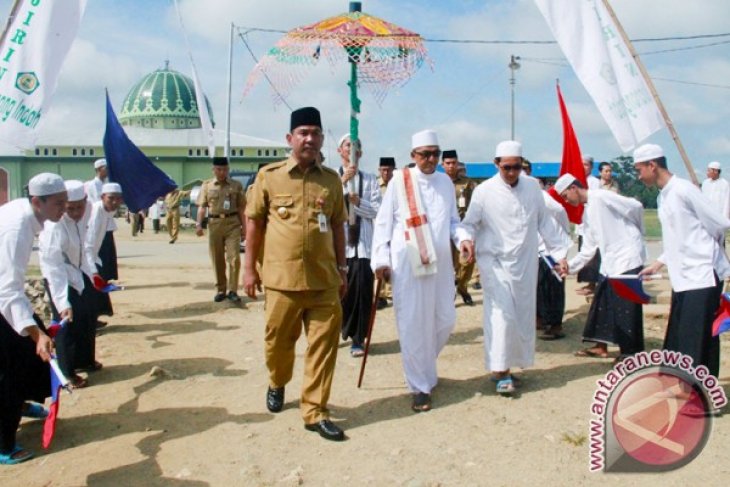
(464, 94)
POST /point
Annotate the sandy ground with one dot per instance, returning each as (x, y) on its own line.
(202, 420)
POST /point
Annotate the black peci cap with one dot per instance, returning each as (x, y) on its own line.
(387, 162)
(449, 154)
(220, 161)
(305, 116)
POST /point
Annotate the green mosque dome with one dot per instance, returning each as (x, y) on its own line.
(163, 99)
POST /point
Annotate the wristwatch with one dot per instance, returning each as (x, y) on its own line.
(343, 268)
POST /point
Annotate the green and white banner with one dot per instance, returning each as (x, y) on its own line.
(33, 48)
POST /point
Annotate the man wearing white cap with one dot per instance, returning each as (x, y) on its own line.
(613, 224)
(692, 232)
(93, 186)
(99, 247)
(67, 273)
(717, 189)
(364, 203)
(24, 345)
(506, 215)
(589, 272)
(415, 226)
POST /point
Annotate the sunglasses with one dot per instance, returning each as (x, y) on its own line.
(428, 153)
(515, 167)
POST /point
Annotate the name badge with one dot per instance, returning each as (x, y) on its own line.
(462, 202)
(322, 221)
(227, 204)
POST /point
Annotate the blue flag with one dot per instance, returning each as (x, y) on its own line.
(142, 182)
(630, 288)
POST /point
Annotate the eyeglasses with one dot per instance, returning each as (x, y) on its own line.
(515, 167)
(426, 154)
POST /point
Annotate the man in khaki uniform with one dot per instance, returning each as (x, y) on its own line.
(226, 203)
(299, 206)
(387, 166)
(464, 187)
(172, 220)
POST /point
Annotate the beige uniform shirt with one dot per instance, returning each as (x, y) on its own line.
(299, 255)
(173, 199)
(464, 188)
(225, 198)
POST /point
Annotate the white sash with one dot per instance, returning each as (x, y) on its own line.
(419, 242)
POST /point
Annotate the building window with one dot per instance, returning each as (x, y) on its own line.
(206, 152)
(197, 152)
(37, 152)
(74, 151)
(190, 152)
(258, 152)
(45, 151)
(54, 151)
(91, 152)
(267, 152)
(83, 152)
(276, 153)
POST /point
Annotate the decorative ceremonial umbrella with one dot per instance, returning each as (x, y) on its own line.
(381, 55)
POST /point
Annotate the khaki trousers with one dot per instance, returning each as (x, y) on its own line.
(224, 244)
(462, 271)
(173, 222)
(320, 314)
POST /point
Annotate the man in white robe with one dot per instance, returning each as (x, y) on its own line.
(717, 189)
(506, 215)
(422, 275)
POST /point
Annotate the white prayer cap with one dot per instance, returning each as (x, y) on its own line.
(45, 184)
(588, 157)
(109, 188)
(343, 139)
(75, 190)
(508, 148)
(564, 182)
(424, 138)
(99, 163)
(647, 152)
(714, 165)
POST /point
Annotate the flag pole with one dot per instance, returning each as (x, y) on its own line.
(11, 16)
(652, 89)
(228, 104)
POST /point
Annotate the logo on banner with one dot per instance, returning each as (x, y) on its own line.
(27, 82)
(652, 412)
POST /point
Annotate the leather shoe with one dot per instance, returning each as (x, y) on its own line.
(467, 299)
(233, 297)
(219, 297)
(382, 303)
(275, 399)
(327, 430)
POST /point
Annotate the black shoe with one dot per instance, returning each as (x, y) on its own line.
(172, 241)
(467, 299)
(477, 285)
(275, 399)
(233, 297)
(382, 303)
(327, 430)
(219, 297)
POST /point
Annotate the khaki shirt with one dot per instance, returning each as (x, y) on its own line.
(213, 195)
(297, 255)
(383, 186)
(464, 188)
(173, 198)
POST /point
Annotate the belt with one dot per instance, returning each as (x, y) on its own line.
(222, 215)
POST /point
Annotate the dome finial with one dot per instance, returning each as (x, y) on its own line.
(167, 64)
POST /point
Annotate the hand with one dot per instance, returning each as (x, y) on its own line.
(67, 314)
(652, 269)
(43, 343)
(562, 268)
(343, 284)
(251, 283)
(199, 230)
(354, 199)
(383, 273)
(467, 251)
(348, 173)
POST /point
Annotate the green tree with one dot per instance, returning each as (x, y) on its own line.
(625, 174)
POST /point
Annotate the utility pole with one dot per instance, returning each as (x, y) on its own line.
(513, 65)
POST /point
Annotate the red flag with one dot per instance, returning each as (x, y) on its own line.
(58, 381)
(572, 163)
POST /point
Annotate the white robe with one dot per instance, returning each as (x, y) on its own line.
(424, 306)
(506, 221)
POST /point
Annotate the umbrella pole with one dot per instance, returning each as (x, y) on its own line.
(354, 133)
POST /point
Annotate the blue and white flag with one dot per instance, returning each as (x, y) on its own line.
(142, 182)
(32, 51)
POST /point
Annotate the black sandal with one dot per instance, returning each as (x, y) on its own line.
(421, 402)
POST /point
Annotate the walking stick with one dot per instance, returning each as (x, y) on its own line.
(373, 309)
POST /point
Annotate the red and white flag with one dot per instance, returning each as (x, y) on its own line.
(592, 43)
(32, 50)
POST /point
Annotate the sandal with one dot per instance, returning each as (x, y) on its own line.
(591, 353)
(517, 381)
(33, 410)
(505, 386)
(356, 351)
(551, 335)
(77, 382)
(421, 402)
(17, 455)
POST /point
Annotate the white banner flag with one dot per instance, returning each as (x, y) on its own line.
(32, 51)
(599, 56)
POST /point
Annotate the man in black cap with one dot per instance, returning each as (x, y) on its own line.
(386, 169)
(298, 206)
(464, 187)
(226, 202)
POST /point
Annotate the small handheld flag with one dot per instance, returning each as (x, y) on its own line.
(722, 321)
(55, 327)
(58, 382)
(551, 264)
(629, 287)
